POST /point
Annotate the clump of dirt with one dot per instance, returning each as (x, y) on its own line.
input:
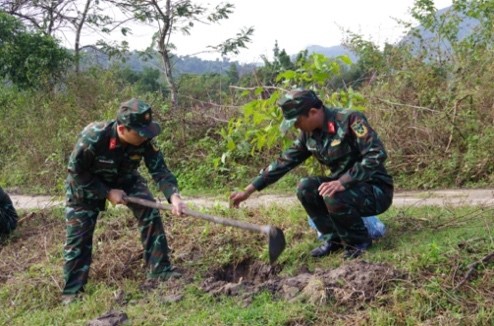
(111, 318)
(244, 277)
(359, 281)
(350, 284)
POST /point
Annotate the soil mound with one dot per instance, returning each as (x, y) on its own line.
(350, 284)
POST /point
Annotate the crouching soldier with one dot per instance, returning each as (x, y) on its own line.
(358, 186)
(103, 166)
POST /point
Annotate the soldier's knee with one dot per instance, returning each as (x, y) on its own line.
(307, 189)
(304, 186)
(334, 204)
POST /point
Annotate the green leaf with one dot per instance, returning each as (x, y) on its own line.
(345, 59)
(230, 144)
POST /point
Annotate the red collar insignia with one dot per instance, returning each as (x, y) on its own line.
(331, 127)
(113, 143)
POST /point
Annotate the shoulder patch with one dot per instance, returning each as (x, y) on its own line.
(359, 128)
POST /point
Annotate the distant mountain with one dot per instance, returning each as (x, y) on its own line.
(466, 27)
(181, 64)
(423, 37)
(332, 51)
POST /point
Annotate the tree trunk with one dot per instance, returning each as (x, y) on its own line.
(78, 26)
(165, 58)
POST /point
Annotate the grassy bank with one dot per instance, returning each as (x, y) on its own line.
(421, 272)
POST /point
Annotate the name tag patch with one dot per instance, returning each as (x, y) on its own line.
(106, 161)
(335, 142)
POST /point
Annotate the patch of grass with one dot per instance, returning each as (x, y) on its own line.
(432, 247)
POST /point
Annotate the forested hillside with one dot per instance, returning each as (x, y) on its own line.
(139, 61)
(433, 110)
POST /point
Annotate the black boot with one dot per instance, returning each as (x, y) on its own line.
(326, 248)
(356, 250)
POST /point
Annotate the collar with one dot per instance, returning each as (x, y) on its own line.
(329, 125)
(114, 141)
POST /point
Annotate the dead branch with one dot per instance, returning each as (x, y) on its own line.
(212, 104)
(216, 119)
(472, 268)
(28, 216)
(254, 88)
(407, 105)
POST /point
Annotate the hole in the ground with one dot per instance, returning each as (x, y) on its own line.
(246, 270)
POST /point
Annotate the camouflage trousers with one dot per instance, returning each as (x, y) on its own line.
(339, 218)
(8, 214)
(80, 225)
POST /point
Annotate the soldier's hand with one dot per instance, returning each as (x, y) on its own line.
(116, 196)
(178, 206)
(330, 188)
(237, 197)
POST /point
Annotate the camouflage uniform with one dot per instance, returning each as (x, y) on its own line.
(99, 163)
(8, 214)
(355, 155)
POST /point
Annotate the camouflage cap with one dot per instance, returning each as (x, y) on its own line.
(294, 103)
(137, 115)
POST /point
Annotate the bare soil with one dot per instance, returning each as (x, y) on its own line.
(350, 284)
(118, 256)
(34, 245)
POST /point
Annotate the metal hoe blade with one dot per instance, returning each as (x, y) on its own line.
(277, 243)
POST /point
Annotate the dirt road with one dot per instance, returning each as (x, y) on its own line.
(449, 197)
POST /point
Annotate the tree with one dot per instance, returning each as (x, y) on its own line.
(204, 89)
(52, 16)
(43, 16)
(232, 73)
(181, 15)
(147, 81)
(29, 59)
(281, 62)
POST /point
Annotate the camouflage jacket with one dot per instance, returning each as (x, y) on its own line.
(99, 163)
(346, 144)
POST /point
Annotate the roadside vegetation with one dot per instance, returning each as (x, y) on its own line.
(431, 104)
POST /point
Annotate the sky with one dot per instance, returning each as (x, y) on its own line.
(294, 25)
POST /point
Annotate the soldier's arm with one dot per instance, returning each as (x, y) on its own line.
(156, 165)
(370, 147)
(289, 159)
(80, 161)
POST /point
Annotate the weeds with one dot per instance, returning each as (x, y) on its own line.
(430, 288)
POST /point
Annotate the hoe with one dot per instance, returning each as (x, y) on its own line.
(275, 235)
